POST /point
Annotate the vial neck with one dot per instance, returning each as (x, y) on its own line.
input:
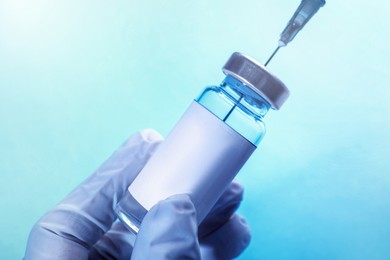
(246, 98)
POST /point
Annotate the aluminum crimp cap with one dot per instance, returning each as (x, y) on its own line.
(258, 78)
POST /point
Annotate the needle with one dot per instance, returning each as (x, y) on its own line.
(273, 54)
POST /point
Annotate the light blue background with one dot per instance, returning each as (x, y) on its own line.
(79, 77)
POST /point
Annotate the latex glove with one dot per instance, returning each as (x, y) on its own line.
(84, 225)
(170, 230)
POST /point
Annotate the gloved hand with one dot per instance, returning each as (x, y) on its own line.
(84, 224)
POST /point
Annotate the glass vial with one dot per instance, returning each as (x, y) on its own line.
(209, 144)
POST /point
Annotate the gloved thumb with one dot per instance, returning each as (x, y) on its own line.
(169, 231)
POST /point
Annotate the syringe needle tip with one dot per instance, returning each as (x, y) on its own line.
(273, 54)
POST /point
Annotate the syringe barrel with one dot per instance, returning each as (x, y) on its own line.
(302, 15)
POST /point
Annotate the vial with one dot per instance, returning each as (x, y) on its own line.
(209, 144)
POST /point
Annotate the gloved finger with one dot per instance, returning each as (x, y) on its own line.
(46, 245)
(115, 244)
(228, 241)
(169, 231)
(225, 207)
(88, 212)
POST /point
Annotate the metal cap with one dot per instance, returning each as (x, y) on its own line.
(258, 78)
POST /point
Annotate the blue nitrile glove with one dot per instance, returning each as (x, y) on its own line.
(84, 225)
